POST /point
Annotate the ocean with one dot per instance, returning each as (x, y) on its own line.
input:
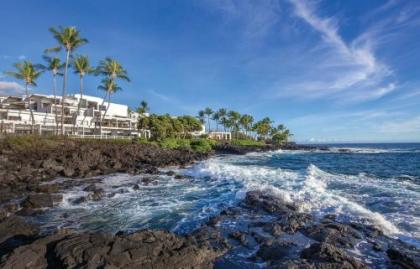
(376, 184)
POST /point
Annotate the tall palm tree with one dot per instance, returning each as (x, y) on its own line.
(69, 39)
(112, 70)
(110, 87)
(143, 108)
(27, 72)
(82, 67)
(246, 123)
(54, 65)
(208, 112)
(223, 117)
(216, 118)
(201, 116)
(234, 118)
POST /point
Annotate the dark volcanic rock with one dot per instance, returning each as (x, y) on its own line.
(36, 200)
(277, 250)
(16, 226)
(257, 200)
(325, 255)
(144, 249)
(339, 234)
(79, 158)
(404, 256)
(237, 149)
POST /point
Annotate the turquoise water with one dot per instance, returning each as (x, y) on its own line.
(377, 184)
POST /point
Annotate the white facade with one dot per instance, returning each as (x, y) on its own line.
(15, 116)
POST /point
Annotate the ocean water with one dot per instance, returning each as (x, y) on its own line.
(377, 184)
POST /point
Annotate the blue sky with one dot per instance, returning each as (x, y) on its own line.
(332, 71)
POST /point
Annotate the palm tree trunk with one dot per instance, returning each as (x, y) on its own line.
(64, 91)
(78, 105)
(55, 102)
(106, 110)
(30, 108)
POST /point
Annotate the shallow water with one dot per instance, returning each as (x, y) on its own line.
(377, 184)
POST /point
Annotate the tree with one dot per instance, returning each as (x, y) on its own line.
(27, 72)
(223, 117)
(54, 65)
(112, 70)
(246, 122)
(208, 112)
(216, 118)
(233, 122)
(110, 87)
(201, 116)
(263, 127)
(82, 67)
(143, 108)
(69, 39)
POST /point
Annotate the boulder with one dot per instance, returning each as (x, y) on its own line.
(144, 249)
(38, 200)
(404, 256)
(325, 255)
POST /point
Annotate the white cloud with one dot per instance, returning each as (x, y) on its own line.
(21, 57)
(10, 88)
(406, 126)
(336, 66)
(256, 17)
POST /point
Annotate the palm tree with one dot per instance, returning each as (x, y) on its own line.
(82, 67)
(234, 120)
(223, 117)
(143, 108)
(208, 112)
(112, 70)
(69, 39)
(246, 122)
(201, 116)
(27, 72)
(216, 118)
(109, 86)
(54, 65)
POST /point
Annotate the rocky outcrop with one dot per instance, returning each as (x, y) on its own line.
(143, 249)
(78, 158)
(228, 148)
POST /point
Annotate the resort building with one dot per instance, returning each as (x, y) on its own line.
(87, 116)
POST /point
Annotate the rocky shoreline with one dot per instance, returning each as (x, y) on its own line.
(260, 231)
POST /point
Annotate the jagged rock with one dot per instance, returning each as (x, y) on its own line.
(276, 250)
(144, 249)
(96, 195)
(404, 256)
(41, 200)
(338, 234)
(292, 264)
(325, 255)
(16, 226)
(269, 203)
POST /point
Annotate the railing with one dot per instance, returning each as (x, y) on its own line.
(101, 136)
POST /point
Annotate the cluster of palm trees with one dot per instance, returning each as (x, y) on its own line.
(242, 125)
(69, 40)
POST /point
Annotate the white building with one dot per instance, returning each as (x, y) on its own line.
(15, 116)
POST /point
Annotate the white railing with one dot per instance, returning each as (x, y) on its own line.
(102, 136)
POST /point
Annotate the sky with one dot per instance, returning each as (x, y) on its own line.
(331, 71)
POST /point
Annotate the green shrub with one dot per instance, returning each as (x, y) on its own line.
(202, 145)
(247, 142)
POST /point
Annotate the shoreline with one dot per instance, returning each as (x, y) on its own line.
(277, 246)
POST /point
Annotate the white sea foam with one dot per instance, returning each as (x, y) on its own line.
(307, 189)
